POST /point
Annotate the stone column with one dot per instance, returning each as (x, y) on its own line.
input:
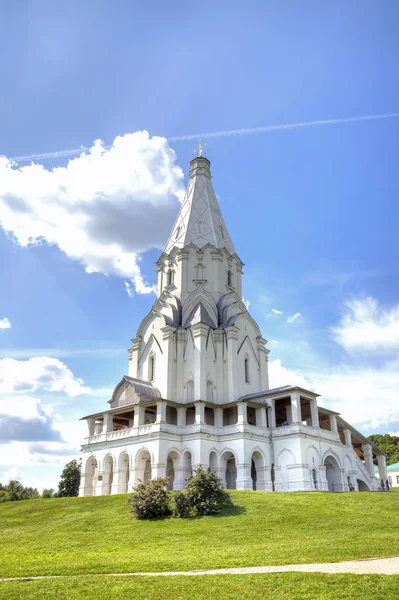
(132, 479)
(99, 487)
(242, 412)
(139, 415)
(261, 417)
(200, 413)
(244, 480)
(218, 417)
(323, 479)
(368, 458)
(161, 412)
(334, 425)
(382, 467)
(296, 408)
(314, 413)
(232, 338)
(108, 422)
(158, 470)
(348, 437)
(272, 415)
(181, 416)
(115, 482)
(90, 425)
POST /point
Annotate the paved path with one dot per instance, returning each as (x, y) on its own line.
(369, 566)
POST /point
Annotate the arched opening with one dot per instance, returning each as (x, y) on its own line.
(108, 475)
(363, 487)
(143, 467)
(314, 479)
(173, 471)
(253, 474)
(333, 474)
(190, 391)
(213, 462)
(124, 472)
(257, 471)
(209, 416)
(91, 477)
(230, 470)
(187, 468)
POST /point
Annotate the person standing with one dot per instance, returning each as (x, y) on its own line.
(382, 486)
(387, 485)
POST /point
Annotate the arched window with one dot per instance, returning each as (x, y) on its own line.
(177, 232)
(151, 367)
(229, 278)
(170, 277)
(200, 271)
(246, 369)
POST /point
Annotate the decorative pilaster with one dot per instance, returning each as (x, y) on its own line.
(348, 437)
(261, 417)
(108, 422)
(272, 415)
(181, 416)
(161, 412)
(218, 417)
(115, 482)
(199, 413)
(244, 480)
(242, 413)
(134, 352)
(200, 333)
(139, 415)
(218, 337)
(181, 338)
(168, 359)
(232, 339)
(334, 425)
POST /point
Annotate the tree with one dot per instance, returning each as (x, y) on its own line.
(389, 444)
(70, 479)
(50, 493)
(205, 492)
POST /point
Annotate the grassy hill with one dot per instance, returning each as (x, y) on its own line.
(83, 536)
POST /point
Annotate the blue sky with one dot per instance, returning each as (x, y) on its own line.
(312, 211)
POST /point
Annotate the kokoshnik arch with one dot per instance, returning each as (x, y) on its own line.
(197, 390)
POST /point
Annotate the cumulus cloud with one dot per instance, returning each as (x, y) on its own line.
(52, 449)
(103, 209)
(294, 317)
(42, 372)
(366, 326)
(246, 302)
(23, 418)
(11, 474)
(279, 376)
(5, 323)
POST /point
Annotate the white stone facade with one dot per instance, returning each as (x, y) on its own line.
(197, 390)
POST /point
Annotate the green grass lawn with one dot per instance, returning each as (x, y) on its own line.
(97, 535)
(278, 586)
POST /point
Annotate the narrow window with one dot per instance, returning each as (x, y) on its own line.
(246, 369)
(177, 232)
(151, 367)
(170, 277)
(229, 278)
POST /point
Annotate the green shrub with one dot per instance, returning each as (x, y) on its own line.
(182, 506)
(205, 492)
(150, 499)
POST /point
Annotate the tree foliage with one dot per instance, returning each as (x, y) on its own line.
(150, 499)
(182, 507)
(205, 492)
(50, 493)
(70, 479)
(14, 490)
(389, 444)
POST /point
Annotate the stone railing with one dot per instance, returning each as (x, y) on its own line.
(297, 428)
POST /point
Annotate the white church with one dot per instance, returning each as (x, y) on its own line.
(197, 390)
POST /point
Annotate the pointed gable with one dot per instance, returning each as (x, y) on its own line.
(200, 220)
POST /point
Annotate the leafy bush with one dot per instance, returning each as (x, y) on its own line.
(205, 492)
(182, 506)
(150, 499)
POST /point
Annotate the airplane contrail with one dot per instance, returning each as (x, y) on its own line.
(213, 134)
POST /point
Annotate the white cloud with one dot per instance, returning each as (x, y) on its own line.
(246, 302)
(11, 474)
(275, 312)
(5, 323)
(45, 373)
(294, 317)
(280, 376)
(394, 433)
(366, 326)
(103, 209)
(23, 418)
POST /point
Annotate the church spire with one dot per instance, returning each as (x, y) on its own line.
(200, 220)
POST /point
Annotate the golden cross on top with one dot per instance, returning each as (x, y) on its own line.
(200, 148)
